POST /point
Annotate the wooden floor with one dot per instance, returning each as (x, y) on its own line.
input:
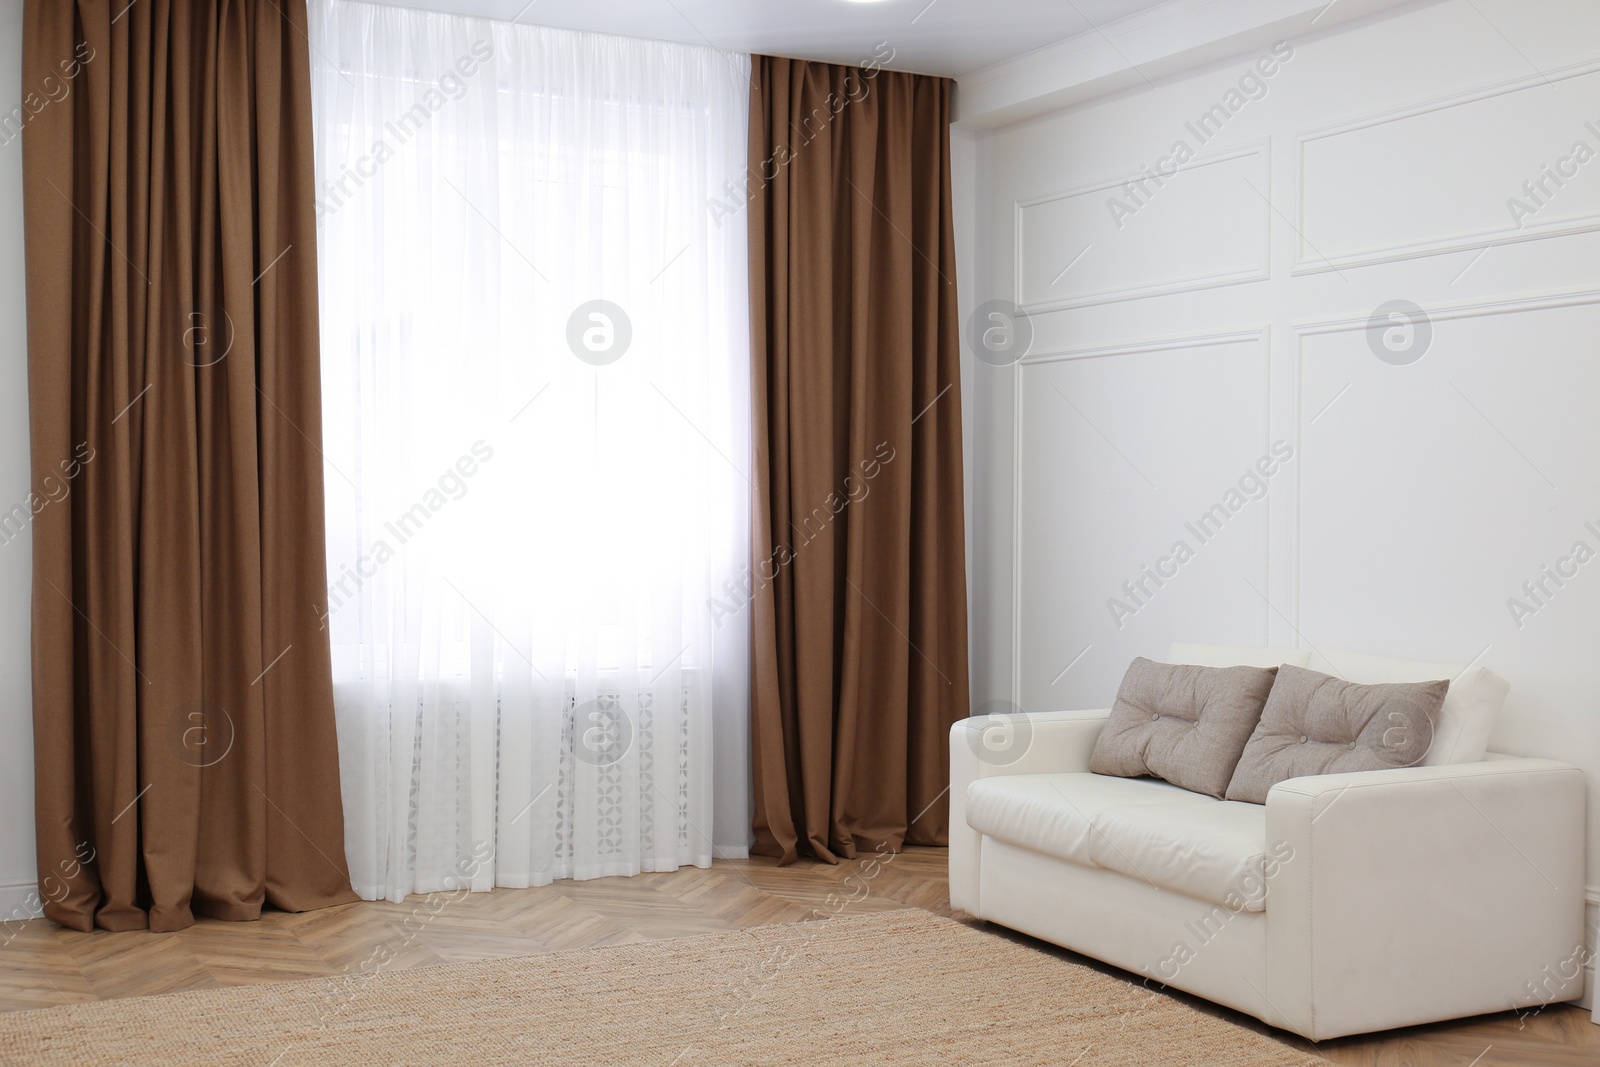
(44, 965)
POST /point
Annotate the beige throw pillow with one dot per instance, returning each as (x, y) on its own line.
(1183, 723)
(1317, 724)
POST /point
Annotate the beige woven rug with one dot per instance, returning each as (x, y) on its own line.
(903, 987)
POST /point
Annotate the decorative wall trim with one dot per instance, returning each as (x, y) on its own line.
(1016, 536)
(1302, 330)
(1464, 242)
(1259, 149)
(1199, 340)
(1476, 309)
(1261, 335)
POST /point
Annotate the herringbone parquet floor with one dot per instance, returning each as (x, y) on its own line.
(44, 965)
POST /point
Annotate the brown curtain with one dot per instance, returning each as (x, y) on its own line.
(183, 716)
(860, 616)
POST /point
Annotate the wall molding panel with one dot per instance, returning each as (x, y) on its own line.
(1449, 313)
(1239, 235)
(1260, 337)
(1320, 256)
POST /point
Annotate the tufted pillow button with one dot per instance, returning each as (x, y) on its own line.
(1155, 715)
(1352, 744)
(1303, 739)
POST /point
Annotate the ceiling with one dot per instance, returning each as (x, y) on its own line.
(948, 37)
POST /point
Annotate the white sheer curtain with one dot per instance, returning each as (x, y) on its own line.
(535, 341)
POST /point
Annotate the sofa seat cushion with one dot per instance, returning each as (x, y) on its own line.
(1216, 852)
(1056, 813)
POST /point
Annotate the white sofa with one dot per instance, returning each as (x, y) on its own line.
(1347, 903)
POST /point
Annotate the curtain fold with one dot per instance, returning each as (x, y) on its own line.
(535, 385)
(859, 649)
(183, 718)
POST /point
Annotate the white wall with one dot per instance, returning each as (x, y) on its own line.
(17, 873)
(1211, 324)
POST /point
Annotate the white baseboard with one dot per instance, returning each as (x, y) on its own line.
(731, 852)
(1591, 918)
(19, 902)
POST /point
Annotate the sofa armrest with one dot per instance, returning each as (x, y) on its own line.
(1423, 893)
(1048, 742)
